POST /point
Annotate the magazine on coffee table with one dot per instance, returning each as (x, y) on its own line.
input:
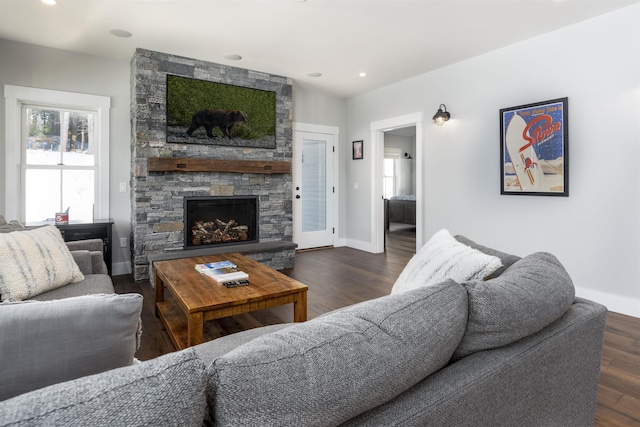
(223, 272)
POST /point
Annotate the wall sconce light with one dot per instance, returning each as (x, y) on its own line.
(441, 116)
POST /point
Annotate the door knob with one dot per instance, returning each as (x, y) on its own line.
(297, 196)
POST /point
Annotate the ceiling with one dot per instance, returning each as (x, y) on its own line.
(390, 40)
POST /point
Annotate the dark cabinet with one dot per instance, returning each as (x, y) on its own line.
(402, 211)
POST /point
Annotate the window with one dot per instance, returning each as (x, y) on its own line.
(391, 157)
(58, 167)
(57, 154)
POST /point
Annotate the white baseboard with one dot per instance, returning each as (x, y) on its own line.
(360, 245)
(119, 268)
(615, 303)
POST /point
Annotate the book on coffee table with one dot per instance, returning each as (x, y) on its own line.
(222, 274)
(219, 264)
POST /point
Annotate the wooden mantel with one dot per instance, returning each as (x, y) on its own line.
(189, 164)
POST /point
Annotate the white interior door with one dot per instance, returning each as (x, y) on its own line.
(313, 189)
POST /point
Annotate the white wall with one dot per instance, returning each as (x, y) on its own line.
(319, 109)
(596, 231)
(34, 66)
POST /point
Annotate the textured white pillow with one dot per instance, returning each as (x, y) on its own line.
(33, 262)
(441, 258)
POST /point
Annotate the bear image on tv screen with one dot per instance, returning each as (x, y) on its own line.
(223, 119)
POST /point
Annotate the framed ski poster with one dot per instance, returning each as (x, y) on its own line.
(534, 143)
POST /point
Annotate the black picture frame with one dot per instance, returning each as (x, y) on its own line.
(534, 149)
(357, 149)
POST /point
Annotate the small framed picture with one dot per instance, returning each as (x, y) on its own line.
(357, 150)
(534, 149)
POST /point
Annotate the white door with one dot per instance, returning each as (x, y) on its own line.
(313, 189)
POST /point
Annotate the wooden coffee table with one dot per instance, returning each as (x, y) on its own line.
(197, 298)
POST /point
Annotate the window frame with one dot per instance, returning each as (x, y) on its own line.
(15, 98)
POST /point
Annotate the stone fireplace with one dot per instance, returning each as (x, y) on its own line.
(220, 221)
(159, 193)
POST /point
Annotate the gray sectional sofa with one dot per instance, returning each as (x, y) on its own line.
(60, 318)
(518, 349)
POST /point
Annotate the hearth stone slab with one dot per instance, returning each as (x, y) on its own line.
(277, 255)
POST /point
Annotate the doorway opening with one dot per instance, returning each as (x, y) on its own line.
(399, 188)
(382, 131)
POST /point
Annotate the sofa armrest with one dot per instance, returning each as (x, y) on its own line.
(44, 343)
(83, 259)
(87, 245)
(90, 255)
(90, 262)
(97, 262)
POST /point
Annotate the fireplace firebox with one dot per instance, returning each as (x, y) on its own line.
(220, 221)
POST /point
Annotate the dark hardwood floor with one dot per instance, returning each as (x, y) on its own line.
(619, 388)
(339, 277)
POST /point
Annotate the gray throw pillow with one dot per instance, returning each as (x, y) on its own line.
(47, 342)
(506, 258)
(166, 391)
(529, 295)
(332, 368)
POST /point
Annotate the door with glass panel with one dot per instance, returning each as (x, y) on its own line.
(313, 190)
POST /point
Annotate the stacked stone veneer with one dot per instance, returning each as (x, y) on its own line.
(157, 197)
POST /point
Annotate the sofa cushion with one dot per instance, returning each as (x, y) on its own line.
(168, 390)
(531, 294)
(506, 259)
(91, 285)
(43, 343)
(210, 350)
(331, 368)
(34, 261)
(11, 226)
(441, 258)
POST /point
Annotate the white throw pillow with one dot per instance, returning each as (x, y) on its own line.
(441, 258)
(33, 262)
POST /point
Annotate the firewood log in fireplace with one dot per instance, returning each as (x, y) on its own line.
(218, 231)
(224, 226)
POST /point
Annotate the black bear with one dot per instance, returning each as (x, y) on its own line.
(224, 119)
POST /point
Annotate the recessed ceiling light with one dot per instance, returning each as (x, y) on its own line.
(120, 33)
(363, 74)
(233, 57)
(315, 74)
(49, 2)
